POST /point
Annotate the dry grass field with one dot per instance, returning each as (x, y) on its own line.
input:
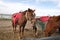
(6, 31)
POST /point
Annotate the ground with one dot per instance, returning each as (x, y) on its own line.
(6, 31)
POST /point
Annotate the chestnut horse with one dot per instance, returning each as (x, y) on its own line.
(21, 19)
(52, 24)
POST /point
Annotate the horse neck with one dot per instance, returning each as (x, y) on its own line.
(24, 12)
(24, 15)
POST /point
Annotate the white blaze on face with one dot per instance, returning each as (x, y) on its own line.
(26, 15)
(30, 15)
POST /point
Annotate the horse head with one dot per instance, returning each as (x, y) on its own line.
(30, 14)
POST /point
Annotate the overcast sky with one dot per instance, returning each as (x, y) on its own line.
(42, 7)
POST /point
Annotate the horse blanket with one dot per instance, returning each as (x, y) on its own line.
(42, 21)
(44, 18)
(16, 16)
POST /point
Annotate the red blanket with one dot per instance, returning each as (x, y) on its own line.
(16, 16)
(44, 18)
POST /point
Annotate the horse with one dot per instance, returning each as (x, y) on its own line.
(52, 25)
(21, 19)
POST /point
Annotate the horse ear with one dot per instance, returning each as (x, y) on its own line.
(28, 8)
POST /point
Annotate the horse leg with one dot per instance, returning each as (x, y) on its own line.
(13, 26)
(23, 31)
(49, 34)
(16, 24)
(35, 30)
(20, 31)
(46, 34)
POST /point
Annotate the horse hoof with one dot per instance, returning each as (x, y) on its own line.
(21, 37)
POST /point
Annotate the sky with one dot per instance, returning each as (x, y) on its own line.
(41, 7)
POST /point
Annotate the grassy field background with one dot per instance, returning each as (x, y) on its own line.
(6, 31)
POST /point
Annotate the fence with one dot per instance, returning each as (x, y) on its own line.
(5, 16)
(8, 16)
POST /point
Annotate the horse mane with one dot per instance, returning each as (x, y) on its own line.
(30, 10)
(23, 12)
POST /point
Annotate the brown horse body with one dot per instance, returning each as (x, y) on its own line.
(52, 24)
(21, 20)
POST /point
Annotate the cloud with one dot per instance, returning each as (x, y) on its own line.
(53, 10)
(45, 12)
(10, 8)
(47, 0)
(14, 7)
(58, 5)
(57, 2)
